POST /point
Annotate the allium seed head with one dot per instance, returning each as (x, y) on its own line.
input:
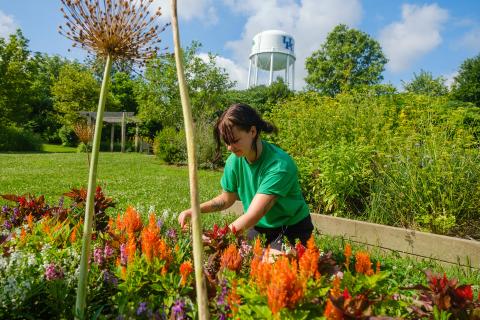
(125, 30)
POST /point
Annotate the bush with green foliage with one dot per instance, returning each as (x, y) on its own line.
(68, 136)
(170, 146)
(405, 160)
(13, 138)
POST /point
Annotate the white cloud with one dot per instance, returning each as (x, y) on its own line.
(203, 10)
(471, 40)
(308, 22)
(417, 34)
(450, 78)
(7, 25)
(235, 71)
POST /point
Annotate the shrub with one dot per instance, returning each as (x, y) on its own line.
(170, 146)
(68, 136)
(18, 139)
(399, 159)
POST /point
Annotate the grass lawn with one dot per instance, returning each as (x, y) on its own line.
(129, 178)
(142, 181)
(55, 148)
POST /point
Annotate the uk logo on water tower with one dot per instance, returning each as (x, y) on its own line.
(289, 43)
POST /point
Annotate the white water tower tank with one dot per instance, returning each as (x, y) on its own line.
(272, 56)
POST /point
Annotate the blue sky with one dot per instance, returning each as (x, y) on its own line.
(436, 36)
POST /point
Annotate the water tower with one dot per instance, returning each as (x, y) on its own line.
(272, 56)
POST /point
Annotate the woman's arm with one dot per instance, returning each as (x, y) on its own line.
(260, 205)
(221, 202)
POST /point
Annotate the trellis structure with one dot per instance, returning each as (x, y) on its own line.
(121, 118)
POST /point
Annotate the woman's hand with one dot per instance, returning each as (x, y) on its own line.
(183, 218)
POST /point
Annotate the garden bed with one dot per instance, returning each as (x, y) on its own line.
(141, 267)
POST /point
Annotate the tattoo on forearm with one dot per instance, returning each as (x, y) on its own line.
(218, 204)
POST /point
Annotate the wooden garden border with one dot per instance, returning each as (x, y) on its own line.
(416, 244)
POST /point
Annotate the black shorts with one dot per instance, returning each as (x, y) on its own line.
(302, 231)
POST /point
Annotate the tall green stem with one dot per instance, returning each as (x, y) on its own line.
(89, 210)
(202, 299)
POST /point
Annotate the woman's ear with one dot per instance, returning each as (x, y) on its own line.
(253, 131)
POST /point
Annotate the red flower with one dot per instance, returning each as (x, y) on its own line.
(300, 249)
(465, 292)
(22, 201)
(346, 295)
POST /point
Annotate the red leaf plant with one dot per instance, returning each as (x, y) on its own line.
(445, 295)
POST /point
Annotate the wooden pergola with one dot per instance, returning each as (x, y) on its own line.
(114, 118)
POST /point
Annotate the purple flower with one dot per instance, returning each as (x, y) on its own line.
(123, 255)
(52, 273)
(16, 212)
(159, 223)
(4, 209)
(7, 224)
(98, 256)
(110, 278)
(178, 309)
(172, 233)
(108, 251)
(223, 294)
(142, 307)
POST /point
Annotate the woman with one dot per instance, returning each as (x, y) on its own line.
(263, 177)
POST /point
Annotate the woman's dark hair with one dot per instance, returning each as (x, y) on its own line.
(243, 117)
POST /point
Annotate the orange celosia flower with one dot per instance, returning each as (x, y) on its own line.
(131, 249)
(287, 288)
(331, 312)
(233, 299)
(185, 269)
(123, 273)
(131, 221)
(73, 235)
(23, 234)
(363, 263)
(308, 263)
(335, 290)
(30, 221)
(348, 253)
(377, 269)
(231, 258)
(150, 239)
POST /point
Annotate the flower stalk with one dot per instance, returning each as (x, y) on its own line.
(115, 30)
(89, 210)
(201, 289)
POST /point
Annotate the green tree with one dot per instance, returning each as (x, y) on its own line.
(158, 95)
(262, 98)
(425, 83)
(348, 59)
(44, 119)
(123, 92)
(15, 80)
(77, 90)
(466, 85)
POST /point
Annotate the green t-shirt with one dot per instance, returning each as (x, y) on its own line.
(274, 173)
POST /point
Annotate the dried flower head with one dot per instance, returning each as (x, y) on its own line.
(125, 30)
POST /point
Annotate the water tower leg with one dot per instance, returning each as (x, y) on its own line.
(256, 70)
(249, 73)
(286, 70)
(271, 68)
(293, 76)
